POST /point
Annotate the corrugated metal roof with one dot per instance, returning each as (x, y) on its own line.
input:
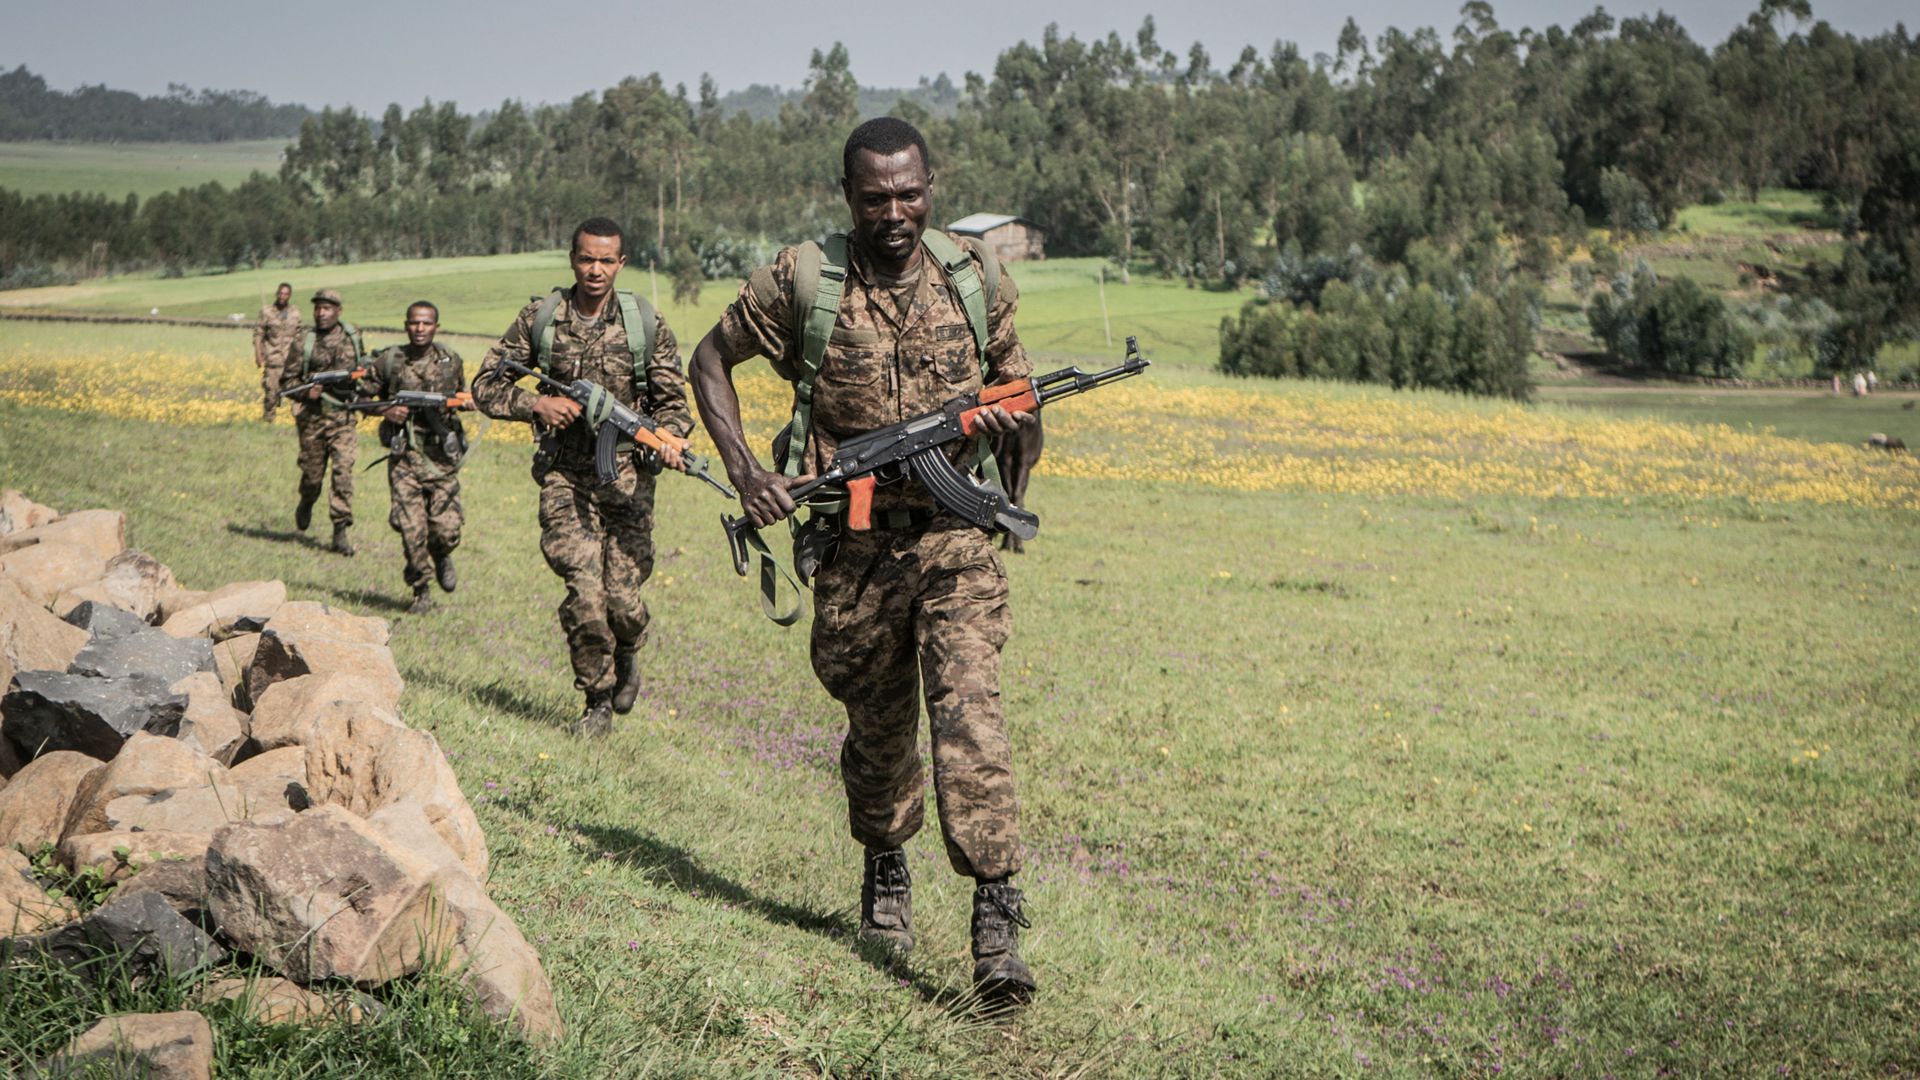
(975, 224)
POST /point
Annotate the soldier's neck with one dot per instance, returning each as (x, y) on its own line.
(588, 307)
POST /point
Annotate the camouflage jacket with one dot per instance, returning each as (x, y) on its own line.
(897, 351)
(597, 354)
(439, 370)
(278, 327)
(333, 350)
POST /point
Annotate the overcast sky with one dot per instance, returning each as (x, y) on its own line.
(367, 53)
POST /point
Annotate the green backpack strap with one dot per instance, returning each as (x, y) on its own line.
(359, 345)
(636, 311)
(975, 296)
(306, 354)
(819, 281)
(542, 336)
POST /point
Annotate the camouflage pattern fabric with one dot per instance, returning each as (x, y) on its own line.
(597, 537)
(328, 442)
(276, 331)
(901, 614)
(424, 481)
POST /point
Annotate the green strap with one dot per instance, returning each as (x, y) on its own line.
(306, 355)
(973, 294)
(819, 282)
(771, 571)
(636, 311)
(543, 329)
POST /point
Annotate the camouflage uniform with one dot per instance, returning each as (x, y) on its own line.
(425, 481)
(327, 432)
(597, 537)
(277, 330)
(905, 611)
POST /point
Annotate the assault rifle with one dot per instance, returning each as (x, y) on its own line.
(326, 381)
(915, 448)
(598, 408)
(430, 409)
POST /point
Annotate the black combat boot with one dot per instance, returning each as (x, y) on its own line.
(886, 900)
(597, 720)
(422, 601)
(443, 571)
(626, 668)
(999, 975)
(303, 513)
(342, 542)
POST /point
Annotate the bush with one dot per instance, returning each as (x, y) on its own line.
(1672, 326)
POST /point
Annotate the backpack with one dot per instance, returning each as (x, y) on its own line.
(306, 347)
(634, 309)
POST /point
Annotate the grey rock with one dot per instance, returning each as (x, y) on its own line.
(51, 711)
(140, 934)
(102, 621)
(147, 652)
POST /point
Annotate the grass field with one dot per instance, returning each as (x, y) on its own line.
(1357, 733)
(1814, 415)
(145, 169)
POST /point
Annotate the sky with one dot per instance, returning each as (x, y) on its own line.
(367, 53)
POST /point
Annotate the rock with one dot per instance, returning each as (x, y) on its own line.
(44, 571)
(275, 780)
(323, 896)
(155, 1046)
(102, 621)
(176, 600)
(139, 932)
(10, 761)
(231, 658)
(281, 1001)
(135, 581)
(362, 763)
(148, 652)
(211, 724)
(19, 513)
(32, 638)
(241, 608)
(95, 716)
(288, 708)
(145, 765)
(201, 808)
(123, 853)
(101, 532)
(312, 617)
(289, 654)
(25, 908)
(35, 804)
(181, 882)
(493, 958)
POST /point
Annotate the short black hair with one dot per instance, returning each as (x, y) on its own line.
(884, 135)
(287, 285)
(429, 305)
(597, 226)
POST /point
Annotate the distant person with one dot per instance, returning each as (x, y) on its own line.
(425, 451)
(1859, 384)
(273, 335)
(1873, 381)
(327, 431)
(597, 537)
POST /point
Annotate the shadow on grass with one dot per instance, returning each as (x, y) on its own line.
(378, 601)
(501, 695)
(278, 536)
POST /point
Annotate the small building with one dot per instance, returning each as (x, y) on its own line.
(1013, 238)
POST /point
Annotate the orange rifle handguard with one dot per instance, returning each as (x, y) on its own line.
(1015, 397)
(860, 503)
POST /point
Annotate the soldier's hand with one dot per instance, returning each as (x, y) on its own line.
(554, 411)
(397, 414)
(312, 393)
(998, 421)
(670, 457)
(763, 495)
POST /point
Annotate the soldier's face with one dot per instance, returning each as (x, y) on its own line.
(890, 196)
(421, 326)
(596, 261)
(325, 314)
(283, 296)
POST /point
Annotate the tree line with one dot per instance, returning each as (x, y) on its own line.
(1486, 153)
(30, 110)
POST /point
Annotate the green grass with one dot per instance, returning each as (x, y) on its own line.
(1813, 415)
(1311, 785)
(1776, 211)
(145, 169)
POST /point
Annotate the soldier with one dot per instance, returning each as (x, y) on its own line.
(597, 537)
(425, 452)
(918, 604)
(278, 328)
(327, 431)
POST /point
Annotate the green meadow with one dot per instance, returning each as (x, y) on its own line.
(1312, 784)
(1816, 415)
(144, 169)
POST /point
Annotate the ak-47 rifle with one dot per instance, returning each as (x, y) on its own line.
(327, 381)
(915, 447)
(599, 409)
(430, 410)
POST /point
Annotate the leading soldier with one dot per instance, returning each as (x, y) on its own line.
(273, 335)
(424, 452)
(328, 432)
(917, 605)
(597, 536)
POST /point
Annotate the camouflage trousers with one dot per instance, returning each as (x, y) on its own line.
(328, 443)
(425, 512)
(898, 614)
(599, 539)
(270, 386)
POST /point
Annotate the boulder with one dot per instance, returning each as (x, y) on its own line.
(93, 715)
(156, 1046)
(241, 608)
(176, 600)
(211, 724)
(323, 896)
(135, 581)
(101, 532)
(25, 908)
(288, 708)
(181, 882)
(281, 1001)
(19, 513)
(102, 621)
(44, 571)
(10, 761)
(493, 958)
(137, 933)
(35, 804)
(362, 763)
(148, 652)
(313, 617)
(289, 654)
(202, 808)
(231, 659)
(32, 638)
(145, 765)
(123, 853)
(275, 780)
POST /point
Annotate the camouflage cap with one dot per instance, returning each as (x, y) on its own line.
(328, 296)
